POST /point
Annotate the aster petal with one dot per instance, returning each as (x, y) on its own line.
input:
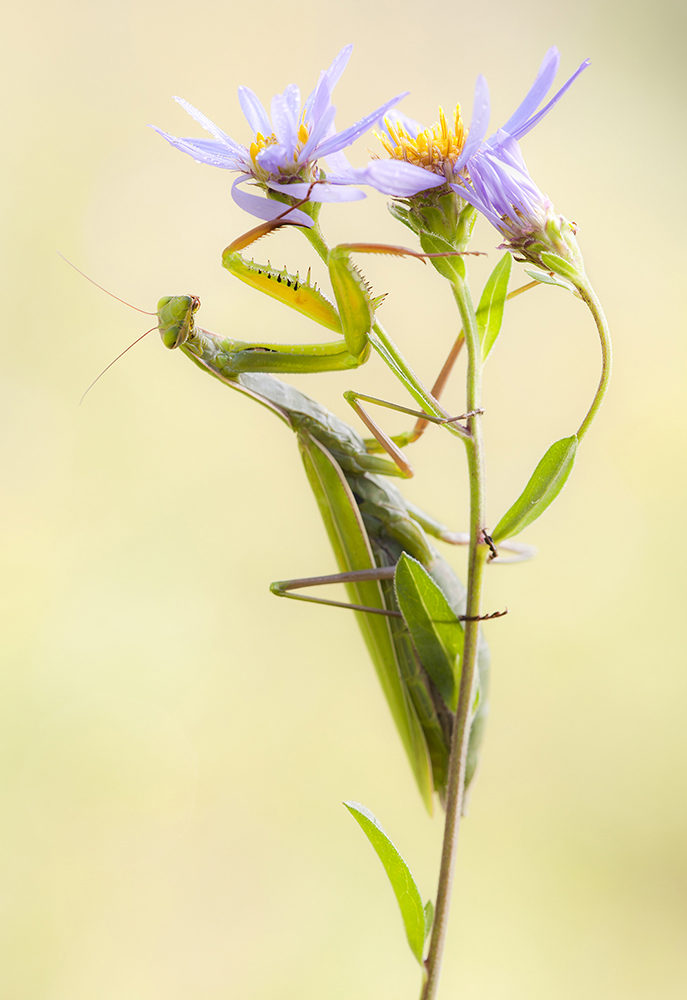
(202, 150)
(339, 63)
(208, 125)
(481, 111)
(518, 133)
(537, 92)
(398, 179)
(284, 123)
(320, 192)
(274, 158)
(468, 193)
(345, 138)
(395, 116)
(263, 208)
(256, 116)
(331, 76)
(338, 163)
(292, 96)
(318, 134)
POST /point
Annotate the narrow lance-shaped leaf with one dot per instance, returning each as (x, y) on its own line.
(402, 882)
(549, 278)
(435, 630)
(491, 304)
(547, 481)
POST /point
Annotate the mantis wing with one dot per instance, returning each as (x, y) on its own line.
(352, 549)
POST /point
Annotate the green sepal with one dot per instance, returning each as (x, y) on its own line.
(402, 882)
(434, 627)
(401, 214)
(547, 278)
(561, 266)
(546, 482)
(491, 305)
(448, 267)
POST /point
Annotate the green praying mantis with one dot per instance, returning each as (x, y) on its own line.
(371, 526)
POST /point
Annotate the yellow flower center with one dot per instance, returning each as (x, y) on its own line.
(436, 148)
(261, 141)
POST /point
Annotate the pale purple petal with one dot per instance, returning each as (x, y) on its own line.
(274, 159)
(284, 124)
(254, 112)
(320, 130)
(321, 104)
(538, 91)
(395, 116)
(338, 65)
(481, 110)
(396, 178)
(331, 75)
(518, 133)
(345, 138)
(208, 125)
(263, 208)
(292, 96)
(307, 109)
(338, 163)
(320, 192)
(198, 149)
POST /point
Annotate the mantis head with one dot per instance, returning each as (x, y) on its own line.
(175, 318)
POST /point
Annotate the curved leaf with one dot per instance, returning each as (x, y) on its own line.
(491, 305)
(547, 481)
(436, 632)
(402, 882)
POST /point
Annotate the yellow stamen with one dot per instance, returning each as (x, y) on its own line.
(436, 148)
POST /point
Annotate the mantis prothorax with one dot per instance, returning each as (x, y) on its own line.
(370, 525)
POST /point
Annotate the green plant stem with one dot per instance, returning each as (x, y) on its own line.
(461, 730)
(589, 297)
(313, 235)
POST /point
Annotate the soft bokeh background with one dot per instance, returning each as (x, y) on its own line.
(176, 743)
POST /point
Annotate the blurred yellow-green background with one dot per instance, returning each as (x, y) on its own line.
(176, 743)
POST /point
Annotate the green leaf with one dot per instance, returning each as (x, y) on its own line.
(429, 917)
(448, 267)
(547, 481)
(435, 629)
(560, 266)
(402, 881)
(490, 308)
(548, 278)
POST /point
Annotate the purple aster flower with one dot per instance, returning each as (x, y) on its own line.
(283, 154)
(429, 158)
(500, 187)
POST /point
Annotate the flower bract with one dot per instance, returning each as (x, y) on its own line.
(286, 145)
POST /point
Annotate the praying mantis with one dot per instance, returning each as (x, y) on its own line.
(370, 526)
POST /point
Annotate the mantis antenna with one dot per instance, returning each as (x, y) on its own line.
(146, 312)
(119, 355)
(112, 295)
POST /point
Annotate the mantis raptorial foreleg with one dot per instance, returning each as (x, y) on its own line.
(352, 316)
